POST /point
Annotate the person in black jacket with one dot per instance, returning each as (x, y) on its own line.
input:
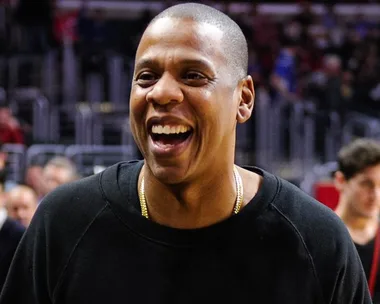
(186, 225)
(10, 234)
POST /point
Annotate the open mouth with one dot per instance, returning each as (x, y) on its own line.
(170, 139)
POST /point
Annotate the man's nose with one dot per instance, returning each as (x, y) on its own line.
(166, 90)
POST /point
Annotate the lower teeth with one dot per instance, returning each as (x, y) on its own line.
(170, 140)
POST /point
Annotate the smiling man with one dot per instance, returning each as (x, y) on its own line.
(186, 225)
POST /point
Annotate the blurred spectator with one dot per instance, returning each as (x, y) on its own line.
(3, 27)
(331, 94)
(34, 179)
(318, 33)
(347, 88)
(306, 16)
(330, 19)
(6, 184)
(332, 88)
(10, 130)
(292, 31)
(284, 77)
(65, 26)
(36, 21)
(254, 68)
(367, 80)
(374, 34)
(93, 30)
(264, 29)
(58, 171)
(335, 28)
(264, 40)
(352, 51)
(337, 36)
(10, 234)
(21, 203)
(362, 26)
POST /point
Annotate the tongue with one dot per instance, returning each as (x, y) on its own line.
(172, 139)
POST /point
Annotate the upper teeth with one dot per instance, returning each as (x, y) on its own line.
(159, 129)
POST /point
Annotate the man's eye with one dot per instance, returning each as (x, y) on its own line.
(146, 79)
(194, 76)
(367, 184)
(145, 76)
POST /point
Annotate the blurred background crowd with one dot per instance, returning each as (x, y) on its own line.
(65, 73)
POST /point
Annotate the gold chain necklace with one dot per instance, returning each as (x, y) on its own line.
(237, 206)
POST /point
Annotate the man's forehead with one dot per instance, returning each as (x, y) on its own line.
(172, 26)
(181, 33)
(371, 171)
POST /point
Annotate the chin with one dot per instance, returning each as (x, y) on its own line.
(168, 174)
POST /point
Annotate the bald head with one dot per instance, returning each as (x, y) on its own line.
(235, 46)
(21, 203)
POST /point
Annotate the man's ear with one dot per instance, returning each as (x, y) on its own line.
(339, 180)
(246, 100)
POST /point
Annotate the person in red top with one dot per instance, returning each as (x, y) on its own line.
(10, 130)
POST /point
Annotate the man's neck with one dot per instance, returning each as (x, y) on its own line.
(362, 229)
(191, 205)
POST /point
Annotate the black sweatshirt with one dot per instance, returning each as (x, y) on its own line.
(88, 243)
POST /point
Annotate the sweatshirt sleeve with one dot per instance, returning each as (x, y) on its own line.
(44, 251)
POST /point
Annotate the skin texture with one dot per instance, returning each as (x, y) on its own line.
(181, 77)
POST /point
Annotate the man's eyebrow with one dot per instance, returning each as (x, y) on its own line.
(149, 62)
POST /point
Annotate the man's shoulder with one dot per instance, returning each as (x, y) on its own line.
(74, 201)
(82, 189)
(84, 197)
(305, 217)
(325, 241)
(300, 206)
(90, 186)
(317, 225)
